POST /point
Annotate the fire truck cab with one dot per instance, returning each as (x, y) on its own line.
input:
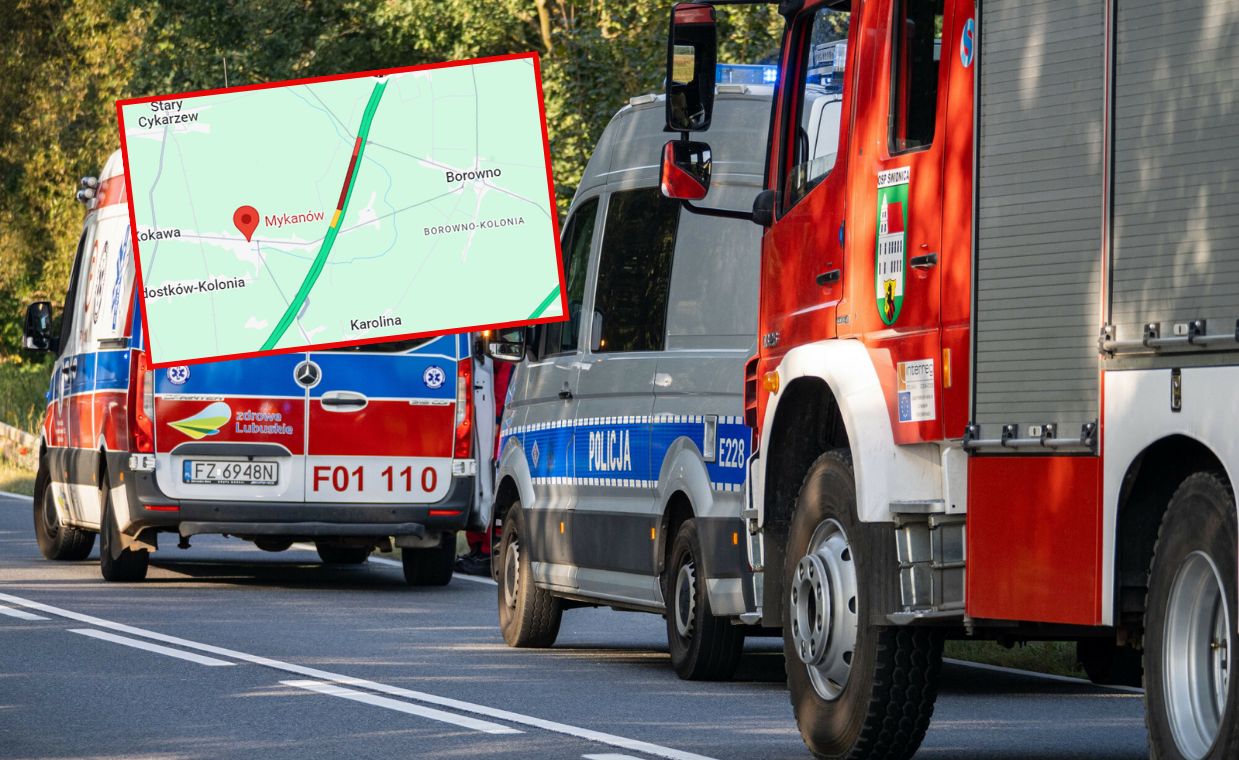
(996, 378)
(352, 449)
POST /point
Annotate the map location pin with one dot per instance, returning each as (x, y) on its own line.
(246, 220)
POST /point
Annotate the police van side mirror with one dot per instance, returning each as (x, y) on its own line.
(692, 50)
(38, 328)
(506, 346)
(686, 170)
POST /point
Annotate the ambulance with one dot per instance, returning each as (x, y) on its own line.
(354, 449)
(623, 446)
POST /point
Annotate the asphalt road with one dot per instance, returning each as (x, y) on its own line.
(274, 655)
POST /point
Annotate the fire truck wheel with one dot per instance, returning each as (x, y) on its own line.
(334, 554)
(858, 690)
(56, 541)
(703, 647)
(1190, 621)
(528, 616)
(117, 564)
(430, 567)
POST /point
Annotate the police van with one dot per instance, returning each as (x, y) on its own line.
(352, 449)
(621, 471)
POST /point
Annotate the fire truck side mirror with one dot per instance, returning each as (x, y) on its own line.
(763, 207)
(38, 328)
(692, 50)
(506, 345)
(685, 172)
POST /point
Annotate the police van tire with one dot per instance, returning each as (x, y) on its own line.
(56, 541)
(703, 647)
(333, 554)
(433, 566)
(1191, 692)
(529, 617)
(858, 690)
(117, 565)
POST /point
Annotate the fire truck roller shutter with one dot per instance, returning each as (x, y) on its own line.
(1176, 225)
(1041, 109)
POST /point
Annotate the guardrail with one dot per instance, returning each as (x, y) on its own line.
(19, 447)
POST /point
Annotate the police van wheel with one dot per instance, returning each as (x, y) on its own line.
(703, 647)
(857, 689)
(528, 616)
(117, 564)
(56, 541)
(1191, 692)
(433, 566)
(333, 554)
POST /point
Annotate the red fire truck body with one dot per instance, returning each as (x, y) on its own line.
(996, 383)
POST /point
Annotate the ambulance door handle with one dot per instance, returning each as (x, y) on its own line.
(343, 401)
(927, 261)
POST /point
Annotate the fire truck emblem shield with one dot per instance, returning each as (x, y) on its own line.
(892, 242)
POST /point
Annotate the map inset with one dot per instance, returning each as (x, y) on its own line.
(342, 211)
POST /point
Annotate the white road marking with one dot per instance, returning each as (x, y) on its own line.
(609, 757)
(634, 745)
(20, 614)
(170, 652)
(404, 707)
(1042, 676)
(12, 495)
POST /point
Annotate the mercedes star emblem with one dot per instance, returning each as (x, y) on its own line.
(307, 374)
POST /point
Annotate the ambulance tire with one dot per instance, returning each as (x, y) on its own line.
(56, 542)
(529, 616)
(871, 688)
(433, 566)
(703, 647)
(1190, 624)
(333, 554)
(117, 565)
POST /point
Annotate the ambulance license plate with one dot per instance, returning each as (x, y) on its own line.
(232, 473)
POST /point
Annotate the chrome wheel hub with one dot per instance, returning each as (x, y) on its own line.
(823, 600)
(1196, 648)
(512, 573)
(686, 600)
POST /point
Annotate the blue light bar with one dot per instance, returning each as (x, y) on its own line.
(745, 73)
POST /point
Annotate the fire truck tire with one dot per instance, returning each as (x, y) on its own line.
(1108, 664)
(333, 554)
(56, 541)
(117, 565)
(1191, 695)
(529, 617)
(430, 567)
(703, 647)
(858, 690)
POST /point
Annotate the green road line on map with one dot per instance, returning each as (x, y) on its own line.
(550, 299)
(330, 238)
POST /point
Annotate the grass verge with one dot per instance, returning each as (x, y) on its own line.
(15, 479)
(1054, 657)
(23, 389)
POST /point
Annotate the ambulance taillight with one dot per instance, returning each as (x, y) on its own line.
(464, 409)
(141, 406)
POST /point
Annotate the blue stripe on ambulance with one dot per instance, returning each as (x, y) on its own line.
(387, 375)
(269, 376)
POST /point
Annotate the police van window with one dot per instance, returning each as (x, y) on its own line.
(634, 271)
(561, 337)
(915, 53)
(821, 103)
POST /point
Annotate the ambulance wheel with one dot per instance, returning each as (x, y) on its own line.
(858, 690)
(334, 554)
(1190, 695)
(528, 616)
(56, 541)
(273, 544)
(433, 566)
(703, 647)
(117, 564)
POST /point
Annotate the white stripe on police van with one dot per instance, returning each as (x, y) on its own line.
(322, 687)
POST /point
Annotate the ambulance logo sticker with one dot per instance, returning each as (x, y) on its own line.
(433, 377)
(892, 242)
(178, 375)
(206, 422)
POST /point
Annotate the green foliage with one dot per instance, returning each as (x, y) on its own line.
(67, 61)
(22, 394)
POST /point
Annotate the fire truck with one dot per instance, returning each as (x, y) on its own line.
(996, 383)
